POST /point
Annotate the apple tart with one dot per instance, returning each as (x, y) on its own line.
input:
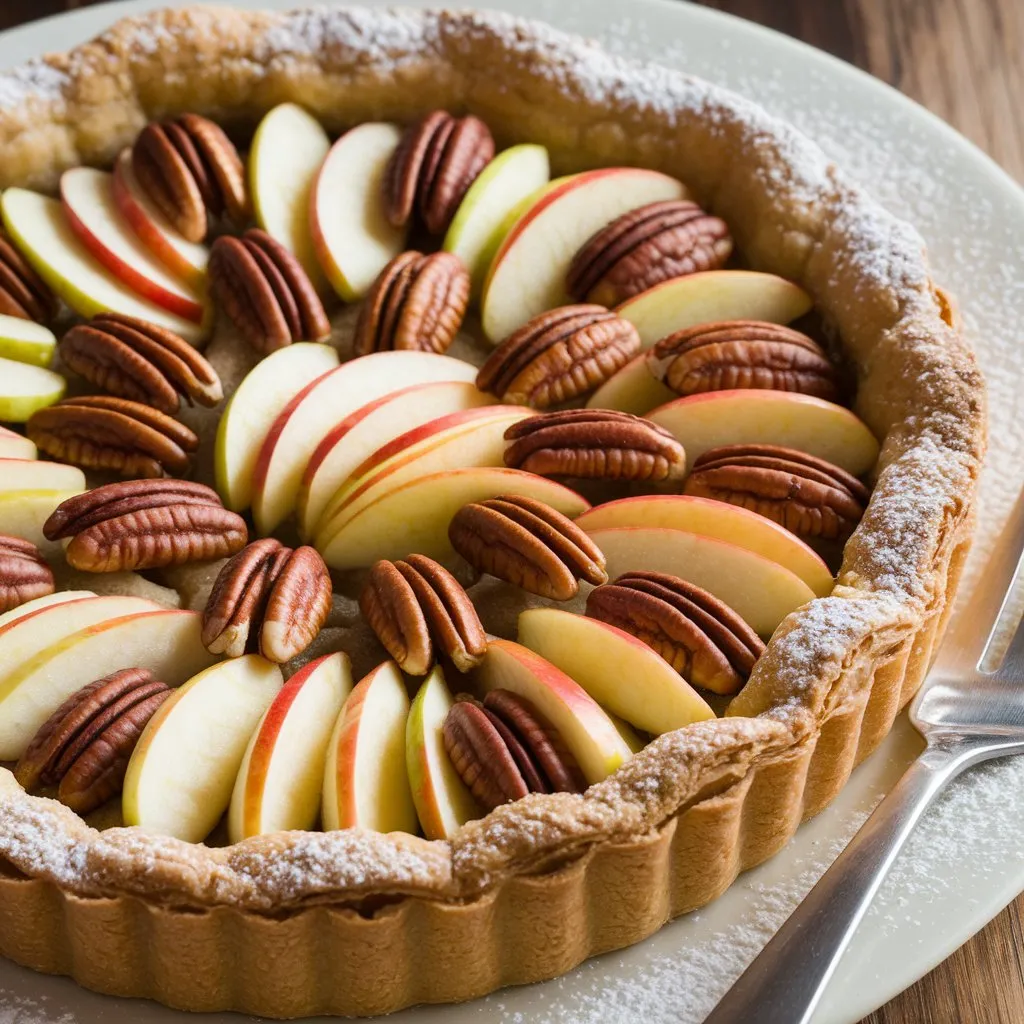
(485, 495)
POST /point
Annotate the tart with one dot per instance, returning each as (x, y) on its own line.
(636, 337)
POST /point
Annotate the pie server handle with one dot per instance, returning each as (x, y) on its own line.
(785, 982)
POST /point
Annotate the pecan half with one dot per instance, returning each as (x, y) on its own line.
(702, 638)
(415, 605)
(417, 302)
(644, 247)
(525, 542)
(23, 293)
(437, 160)
(140, 361)
(807, 495)
(265, 293)
(24, 574)
(145, 524)
(558, 355)
(594, 443)
(268, 598)
(85, 746)
(190, 168)
(503, 750)
(743, 354)
(104, 433)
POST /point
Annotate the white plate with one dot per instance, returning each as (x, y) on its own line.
(967, 859)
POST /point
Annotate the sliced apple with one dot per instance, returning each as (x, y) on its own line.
(366, 782)
(256, 403)
(279, 783)
(44, 237)
(186, 260)
(478, 228)
(758, 589)
(633, 389)
(587, 731)
(352, 236)
(47, 622)
(303, 423)
(527, 274)
(349, 443)
(16, 446)
(287, 151)
(25, 341)
(37, 604)
(619, 671)
(414, 517)
(88, 198)
(717, 519)
(713, 295)
(461, 440)
(22, 514)
(164, 641)
(25, 388)
(751, 416)
(39, 475)
(183, 770)
(443, 803)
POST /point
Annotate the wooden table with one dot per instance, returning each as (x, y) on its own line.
(964, 60)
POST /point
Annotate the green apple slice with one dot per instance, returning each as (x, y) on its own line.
(619, 671)
(44, 237)
(251, 412)
(24, 389)
(480, 223)
(183, 770)
(26, 341)
(287, 151)
(443, 803)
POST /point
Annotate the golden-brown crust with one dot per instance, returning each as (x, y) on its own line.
(669, 830)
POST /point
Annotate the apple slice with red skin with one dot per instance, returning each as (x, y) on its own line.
(716, 519)
(279, 784)
(587, 731)
(414, 517)
(761, 591)
(352, 441)
(183, 769)
(88, 198)
(16, 446)
(366, 781)
(37, 604)
(619, 671)
(186, 260)
(632, 389)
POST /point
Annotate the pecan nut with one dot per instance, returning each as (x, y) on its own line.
(558, 355)
(527, 543)
(503, 750)
(23, 293)
(433, 167)
(145, 524)
(268, 598)
(644, 247)
(417, 302)
(189, 168)
(743, 354)
(596, 444)
(140, 361)
(85, 746)
(702, 638)
(807, 495)
(415, 606)
(24, 574)
(115, 434)
(264, 291)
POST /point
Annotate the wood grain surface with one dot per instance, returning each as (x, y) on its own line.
(963, 60)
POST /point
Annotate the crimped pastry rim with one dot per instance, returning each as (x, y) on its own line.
(791, 212)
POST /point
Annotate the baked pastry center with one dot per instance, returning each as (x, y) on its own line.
(558, 388)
